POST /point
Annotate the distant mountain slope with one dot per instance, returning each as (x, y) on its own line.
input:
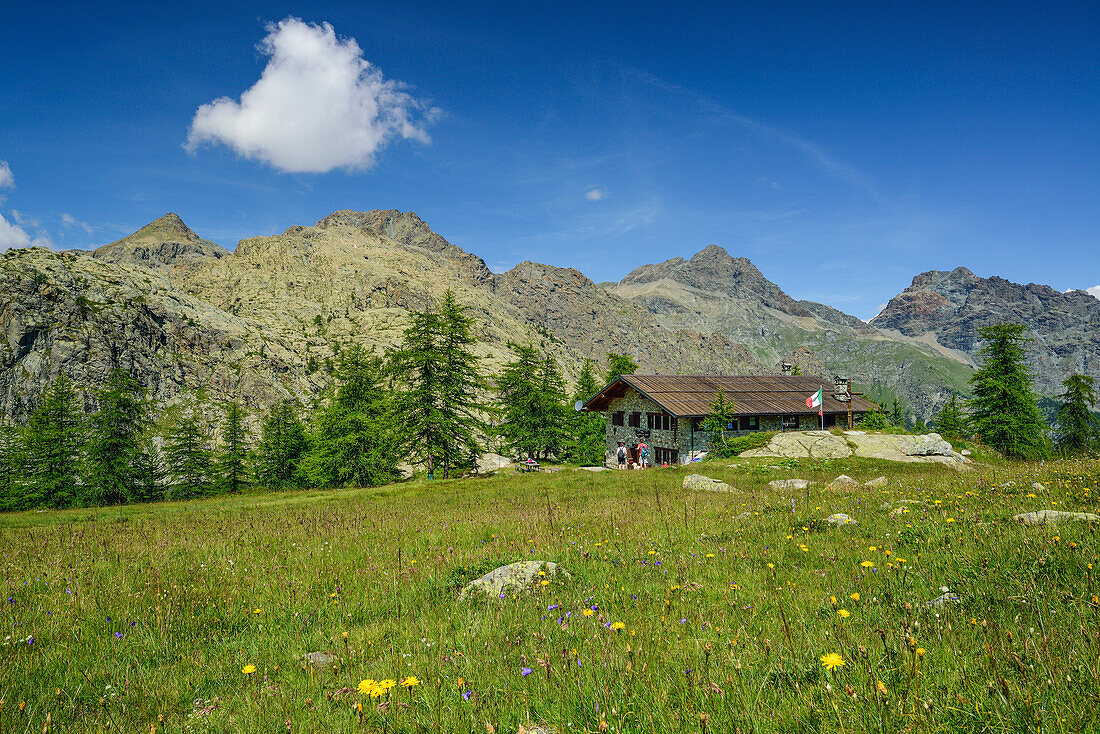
(950, 307)
(716, 292)
(266, 321)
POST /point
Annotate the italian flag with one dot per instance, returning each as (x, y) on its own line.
(814, 401)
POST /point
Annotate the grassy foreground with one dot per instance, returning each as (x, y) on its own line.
(682, 614)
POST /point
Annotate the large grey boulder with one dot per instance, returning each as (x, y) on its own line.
(1052, 517)
(516, 577)
(319, 660)
(843, 482)
(930, 444)
(789, 483)
(698, 481)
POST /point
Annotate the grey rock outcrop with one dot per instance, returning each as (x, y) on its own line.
(698, 481)
(843, 482)
(840, 518)
(518, 577)
(789, 483)
(931, 444)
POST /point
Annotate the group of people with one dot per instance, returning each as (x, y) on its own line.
(640, 462)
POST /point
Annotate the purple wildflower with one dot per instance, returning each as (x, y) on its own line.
(466, 695)
(118, 635)
(525, 672)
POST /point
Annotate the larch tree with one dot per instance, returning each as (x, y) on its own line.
(619, 365)
(116, 442)
(352, 440)
(532, 398)
(1078, 426)
(586, 443)
(187, 454)
(282, 445)
(951, 421)
(53, 448)
(438, 407)
(232, 458)
(1004, 411)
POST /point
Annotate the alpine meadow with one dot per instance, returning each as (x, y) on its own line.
(442, 368)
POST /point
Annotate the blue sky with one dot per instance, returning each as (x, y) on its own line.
(842, 148)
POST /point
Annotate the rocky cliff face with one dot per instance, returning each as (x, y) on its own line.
(948, 308)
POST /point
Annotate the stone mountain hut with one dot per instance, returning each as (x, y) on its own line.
(667, 411)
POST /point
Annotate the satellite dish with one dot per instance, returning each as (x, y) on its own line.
(578, 405)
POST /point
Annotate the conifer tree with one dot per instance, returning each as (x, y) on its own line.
(438, 409)
(352, 441)
(1004, 411)
(722, 415)
(115, 441)
(950, 421)
(1078, 426)
(53, 448)
(586, 440)
(282, 445)
(532, 396)
(232, 460)
(187, 455)
(11, 468)
(619, 365)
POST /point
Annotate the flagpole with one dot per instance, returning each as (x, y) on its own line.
(821, 406)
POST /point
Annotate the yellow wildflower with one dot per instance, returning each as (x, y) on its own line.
(410, 681)
(832, 661)
(844, 613)
(588, 612)
(617, 625)
(365, 685)
(248, 669)
(855, 596)
(867, 564)
(387, 684)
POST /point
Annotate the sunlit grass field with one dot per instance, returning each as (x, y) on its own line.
(682, 613)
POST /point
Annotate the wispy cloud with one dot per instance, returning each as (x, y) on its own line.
(318, 106)
(7, 180)
(68, 221)
(14, 234)
(595, 193)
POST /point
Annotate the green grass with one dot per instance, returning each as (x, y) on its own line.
(726, 615)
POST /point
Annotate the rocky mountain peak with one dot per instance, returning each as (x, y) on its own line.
(163, 243)
(410, 231)
(715, 271)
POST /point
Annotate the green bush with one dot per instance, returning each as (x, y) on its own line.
(734, 445)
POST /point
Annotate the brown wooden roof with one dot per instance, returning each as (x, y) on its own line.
(688, 396)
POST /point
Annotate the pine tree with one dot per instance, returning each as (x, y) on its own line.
(950, 421)
(532, 396)
(1078, 426)
(282, 445)
(352, 441)
(53, 448)
(232, 460)
(722, 415)
(438, 410)
(187, 455)
(586, 445)
(1004, 411)
(115, 442)
(899, 416)
(11, 468)
(148, 474)
(619, 365)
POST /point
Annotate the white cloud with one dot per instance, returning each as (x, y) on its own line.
(7, 180)
(595, 193)
(1094, 291)
(318, 105)
(68, 220)
(13, 235)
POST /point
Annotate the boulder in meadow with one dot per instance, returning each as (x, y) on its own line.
(1053, 517)
(876, 482)
(789, 483)
(840, 519)
(698, 481)
(516, 577)
(843, 482)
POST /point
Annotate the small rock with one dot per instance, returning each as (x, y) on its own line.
(535, 730)
(1037, 487)
(930, 444)
(843, 482)
(1052, 517)
(876, 482)
(943, 600)
(789, 483)
(320, 660)
(840, 519)
(698, 481)
(744, 516)
(515, 577)
(594, 468)
(966, 452)
(1008, 485)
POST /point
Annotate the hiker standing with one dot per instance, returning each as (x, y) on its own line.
(622, 455)
(643, 455)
